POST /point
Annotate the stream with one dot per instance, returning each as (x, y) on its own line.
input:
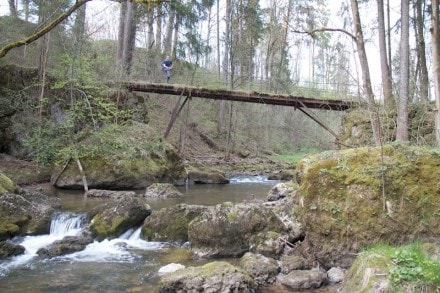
(125, 264)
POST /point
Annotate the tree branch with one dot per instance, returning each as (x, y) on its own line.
(313, 32)
(41, 32)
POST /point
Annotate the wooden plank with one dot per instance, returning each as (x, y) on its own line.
(249, 97)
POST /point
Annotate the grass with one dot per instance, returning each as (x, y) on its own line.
(293, 157)
(410, 265)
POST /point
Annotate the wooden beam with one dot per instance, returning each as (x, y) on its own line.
(239, 96)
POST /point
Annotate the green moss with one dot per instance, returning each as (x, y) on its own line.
(7, 185)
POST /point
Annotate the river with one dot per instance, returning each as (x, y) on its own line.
(125, 264)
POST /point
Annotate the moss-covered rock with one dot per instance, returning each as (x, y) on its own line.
(112, 219)
(131, 156)
(171, 224)
(28, 213)
(218, 276)
(162, 190)
(226, 229)
(358, 197)
(7, 185)
(262, 269)
(206, 177)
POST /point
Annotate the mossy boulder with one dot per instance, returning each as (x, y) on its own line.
(262, 269)
(226, 229)
(113, 218)
(206, 177)
(162, 190)
(171, 223)
(354, 198)
(26, 213)
(218, 276)
(131, 156)
(7, 185)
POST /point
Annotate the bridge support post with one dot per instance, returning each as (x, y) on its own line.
(175, 114)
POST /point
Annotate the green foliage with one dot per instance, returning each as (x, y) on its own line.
(409, 264)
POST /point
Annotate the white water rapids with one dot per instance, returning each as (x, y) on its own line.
(69, 224)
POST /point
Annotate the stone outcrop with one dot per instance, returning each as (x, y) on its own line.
(138, 158)
(7, 185)
(68, 244)
(112, 219)
(25, 213)
(10, 249)
(355, 198)
(206, 177)
(225, 230)
(162, 190)
(171, 224)
(218, 276)
(281, 190)
(303, 279)
(262, 269)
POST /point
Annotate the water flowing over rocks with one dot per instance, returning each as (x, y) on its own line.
(218, 276)
(68, 244)
(9, 249)
(113, 218)
(26, 213)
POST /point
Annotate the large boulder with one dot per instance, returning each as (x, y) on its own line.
(67, 245)
(355, 198)
(218, 276)
(26, 213)
(162, 190)
(303, 279)
(10, 249)
(114, 218)
(131, 156)
(262, 269)
(7, 185)
(171, 223)
(206, 177)
(226, 229)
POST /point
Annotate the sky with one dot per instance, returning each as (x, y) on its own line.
(103, 24)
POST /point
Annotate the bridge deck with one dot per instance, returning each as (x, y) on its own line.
(240, 96)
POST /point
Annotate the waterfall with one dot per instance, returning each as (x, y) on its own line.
(62, 224)
(66, 224)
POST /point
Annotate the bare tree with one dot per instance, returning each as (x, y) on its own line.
(402, 105)
(387, 87)
(359, 38)
(422, 68)
(43, 30)
(435, 33)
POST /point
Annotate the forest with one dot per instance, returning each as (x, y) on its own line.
(387, 59)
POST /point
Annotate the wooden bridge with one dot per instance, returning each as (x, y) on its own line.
(300, 103)
(239, 96)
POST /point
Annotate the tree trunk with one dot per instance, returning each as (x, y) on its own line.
(121, 32)
(13, 8)
(168, 42)
(150, 29)
(159, 28)
(435, 33)
(384, 64)
(421, 52)
(129, 37)
(372, 109)
(402, 105)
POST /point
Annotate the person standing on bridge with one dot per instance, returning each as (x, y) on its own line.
(167, 65)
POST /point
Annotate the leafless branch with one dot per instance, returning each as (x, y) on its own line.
(313, 32)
